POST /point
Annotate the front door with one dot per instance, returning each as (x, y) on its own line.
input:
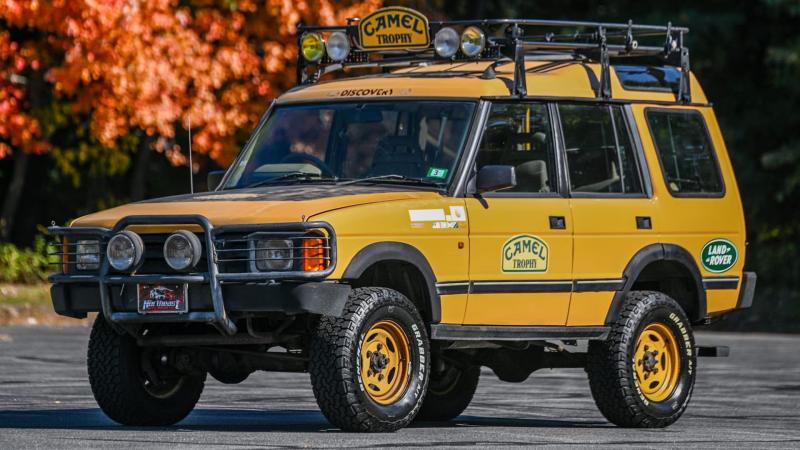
(520, 239)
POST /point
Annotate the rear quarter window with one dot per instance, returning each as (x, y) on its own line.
(688, 161)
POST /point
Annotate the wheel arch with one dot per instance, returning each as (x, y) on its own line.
(668, 268)
(398, 266)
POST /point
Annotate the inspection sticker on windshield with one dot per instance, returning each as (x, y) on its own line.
(437, 172)
(438, 217)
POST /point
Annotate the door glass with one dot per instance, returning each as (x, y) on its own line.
(599, 151)
(519, 135)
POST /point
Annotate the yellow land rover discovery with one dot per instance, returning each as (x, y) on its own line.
(491, 193)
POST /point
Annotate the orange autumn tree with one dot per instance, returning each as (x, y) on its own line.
(154, 66)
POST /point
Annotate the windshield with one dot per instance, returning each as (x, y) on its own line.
(414, 142)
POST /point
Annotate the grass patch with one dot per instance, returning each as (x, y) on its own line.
(25, 294)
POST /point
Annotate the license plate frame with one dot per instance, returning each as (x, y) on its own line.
(162, 298)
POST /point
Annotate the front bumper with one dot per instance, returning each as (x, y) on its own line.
(212, 295)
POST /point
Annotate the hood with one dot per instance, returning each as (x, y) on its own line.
(273, 204)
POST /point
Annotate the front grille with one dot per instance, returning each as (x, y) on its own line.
(313, 251)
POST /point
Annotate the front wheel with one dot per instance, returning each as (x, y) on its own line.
(643, 375)
(132, 385)
(369, 368)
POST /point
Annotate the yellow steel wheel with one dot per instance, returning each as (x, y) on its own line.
(657, 362)
(385, 362)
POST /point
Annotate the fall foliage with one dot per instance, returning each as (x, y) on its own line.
(153, 65)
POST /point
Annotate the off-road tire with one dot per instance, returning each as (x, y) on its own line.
(115, 376)
(611, 371)
(335, 362)
(446, 402)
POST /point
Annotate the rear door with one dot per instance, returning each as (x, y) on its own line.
(520, 239)
(613, 210)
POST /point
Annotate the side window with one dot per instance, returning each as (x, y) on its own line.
(599, 152)
(519, 135)
(685, 151)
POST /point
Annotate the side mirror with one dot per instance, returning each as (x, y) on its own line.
(495, 178)
(214, 179)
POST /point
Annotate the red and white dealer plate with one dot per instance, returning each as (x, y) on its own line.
(162, 298)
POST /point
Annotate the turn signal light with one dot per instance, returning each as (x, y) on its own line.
(313, 255)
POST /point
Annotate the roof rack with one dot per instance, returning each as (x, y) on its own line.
(515, 40)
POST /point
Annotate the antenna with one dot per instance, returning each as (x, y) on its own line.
(191, 168)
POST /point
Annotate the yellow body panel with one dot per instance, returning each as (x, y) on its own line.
(589, 308)
(491, 227)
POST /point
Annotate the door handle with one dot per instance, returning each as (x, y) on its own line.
(558, 222)
(644, 223)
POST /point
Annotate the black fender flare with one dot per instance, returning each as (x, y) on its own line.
(396, 251)
(650, 254)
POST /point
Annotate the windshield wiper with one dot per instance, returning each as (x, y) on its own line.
(292, 176)
(390, 178)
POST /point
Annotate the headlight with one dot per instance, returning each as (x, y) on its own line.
(472, 41)
(312, 46)
(446, 42)
(274, 255)
(125, 251)
(182, 250)
(337, 46)
(87, 255)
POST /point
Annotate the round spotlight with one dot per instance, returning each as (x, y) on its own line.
(446, 42)
(472, 41)
(182, 250)
(125, 251)
(312, 46)
(338, 46)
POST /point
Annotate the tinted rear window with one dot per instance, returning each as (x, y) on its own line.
(684, 148)
(649, 78)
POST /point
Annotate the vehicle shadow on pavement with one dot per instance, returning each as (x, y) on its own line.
(248, 420)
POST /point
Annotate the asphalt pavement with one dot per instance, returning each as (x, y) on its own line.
(748, 400)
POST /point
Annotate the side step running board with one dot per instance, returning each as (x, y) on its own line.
(719, 351)
(514, 333)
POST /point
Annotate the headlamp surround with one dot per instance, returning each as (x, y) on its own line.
(182, 250)
(125, 251)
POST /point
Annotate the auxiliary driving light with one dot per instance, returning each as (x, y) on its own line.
(182, 250)
(337, 46)
(125, 251)
(312, 46)
(446, 42)
(472, 41)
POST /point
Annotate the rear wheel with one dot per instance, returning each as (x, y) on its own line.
(451, 388)
(132, 385)
(369, 368)
(643, 375)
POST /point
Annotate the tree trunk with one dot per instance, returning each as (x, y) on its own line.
(14, 194)
(140, 169)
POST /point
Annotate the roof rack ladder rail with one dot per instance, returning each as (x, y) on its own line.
(520, 82)
(605, 75)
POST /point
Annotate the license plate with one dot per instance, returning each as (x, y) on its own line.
(162, 298)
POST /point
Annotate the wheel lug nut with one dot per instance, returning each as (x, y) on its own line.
(380, 346)
(380, 377)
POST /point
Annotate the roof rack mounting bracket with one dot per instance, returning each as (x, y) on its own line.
(685, 86)
(605, 73)
(520, 81)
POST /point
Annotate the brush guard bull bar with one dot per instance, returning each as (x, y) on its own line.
(219, 317)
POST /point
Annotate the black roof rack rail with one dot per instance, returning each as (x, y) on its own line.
(510, 40)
